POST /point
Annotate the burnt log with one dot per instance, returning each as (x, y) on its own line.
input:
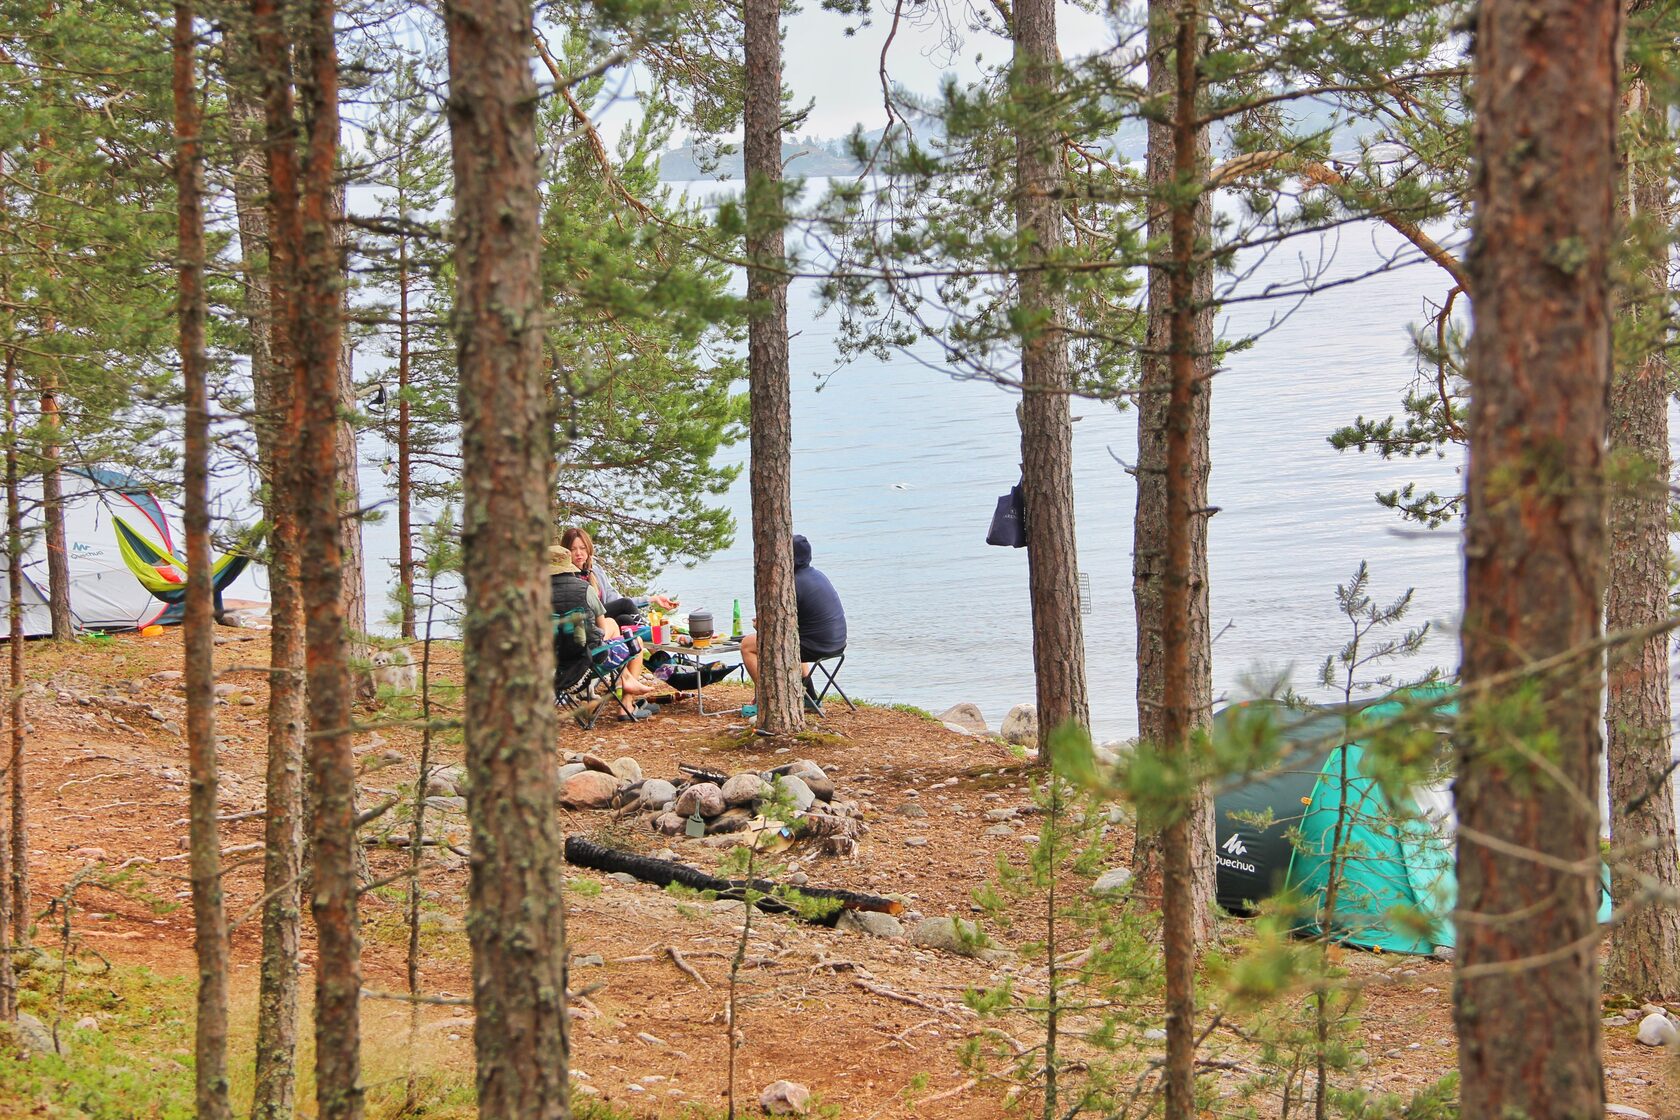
(663, 872)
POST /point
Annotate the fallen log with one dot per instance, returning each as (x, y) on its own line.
(664, 872)
(701, 774)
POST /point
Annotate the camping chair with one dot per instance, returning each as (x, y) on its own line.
(820, 666)
(584, 677)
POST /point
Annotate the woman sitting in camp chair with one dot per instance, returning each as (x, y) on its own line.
(571, 598)
(621, 608)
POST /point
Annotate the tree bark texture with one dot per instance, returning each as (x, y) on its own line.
(16, 756)
(314, 310)
(405, 464)
(516, 913)
(14, 583)
(353, 585)
(1528, 749)
(259, 68)
(1046, 380)
(52, 479)
(210, 934)
(1150, 522)
(1644, 956)
(1186, 473)
(52, 509)
(780, 691)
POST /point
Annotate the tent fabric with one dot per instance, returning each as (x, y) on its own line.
(103, 594)
(1394, 850)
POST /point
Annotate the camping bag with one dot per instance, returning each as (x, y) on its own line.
(688, 680)
(1009, 521)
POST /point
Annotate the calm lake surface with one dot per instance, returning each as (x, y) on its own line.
(897, 467)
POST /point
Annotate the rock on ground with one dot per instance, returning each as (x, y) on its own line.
(627, 768)
(590, 789)
(1113, 751)
(744, 788)
(34, 1035)
(1114, 879)
(870, 922)
(448, 781)
(1657, 1030)
(795, 790)
(951, 935)
(785, 1098)
(1020, 726)
(658, 793)
(805, 768)
(965, 717)
(705, 797)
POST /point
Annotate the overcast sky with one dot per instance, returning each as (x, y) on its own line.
(839, 73)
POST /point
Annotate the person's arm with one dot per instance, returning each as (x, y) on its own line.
(597, 615)
(603, 585)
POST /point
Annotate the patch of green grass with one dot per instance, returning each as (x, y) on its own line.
(584, 888)
(136, 1066)
(139, 1064)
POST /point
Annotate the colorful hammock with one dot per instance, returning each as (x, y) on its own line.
(164, 575)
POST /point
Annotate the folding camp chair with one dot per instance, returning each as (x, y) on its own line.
(586, 677)
(820, 668)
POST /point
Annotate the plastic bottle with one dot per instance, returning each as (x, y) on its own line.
(736, 632)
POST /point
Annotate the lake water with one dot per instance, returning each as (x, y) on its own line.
(896, 468)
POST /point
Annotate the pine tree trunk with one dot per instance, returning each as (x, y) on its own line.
(14, 880)
(19, 838)
(209, 918)
(1644, 957)
(260, 65)
(52, 478)
(8, 977)
(52, 509)
(316, 348)
(405, 467)
(1186, 475)
(1149, 532)
(1046, 380)
(353, 588)
(1526, 992)
(516, 913)
(780, 692)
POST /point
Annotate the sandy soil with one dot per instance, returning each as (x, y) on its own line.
(872, 1026)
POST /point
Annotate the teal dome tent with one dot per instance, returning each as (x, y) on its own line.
(1323, 808)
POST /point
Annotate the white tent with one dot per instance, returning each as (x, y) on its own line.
(104, 595)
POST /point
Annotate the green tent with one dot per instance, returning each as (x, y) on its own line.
(1279, 830)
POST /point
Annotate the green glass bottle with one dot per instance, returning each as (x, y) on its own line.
(736, 633)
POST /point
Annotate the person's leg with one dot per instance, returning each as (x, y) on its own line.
(631, 681)
(628, 681)
(749, 654)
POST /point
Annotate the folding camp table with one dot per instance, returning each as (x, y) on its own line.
(688, 657)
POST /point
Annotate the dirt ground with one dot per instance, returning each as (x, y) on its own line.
(872, 1026)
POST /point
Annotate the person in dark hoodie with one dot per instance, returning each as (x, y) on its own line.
(822, 621)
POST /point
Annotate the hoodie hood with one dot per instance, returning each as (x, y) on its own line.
(801, 552)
